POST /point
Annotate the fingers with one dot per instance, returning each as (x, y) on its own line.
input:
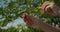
(50, 8)
(28, 19)
(45, 4)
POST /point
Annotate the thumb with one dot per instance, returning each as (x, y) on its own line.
(28, 19)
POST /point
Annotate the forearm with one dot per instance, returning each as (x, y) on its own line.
(48, 28)
(39, 24)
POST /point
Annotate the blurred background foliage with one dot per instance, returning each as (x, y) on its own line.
(12, 9)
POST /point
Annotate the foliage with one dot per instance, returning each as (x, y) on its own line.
(15, 9)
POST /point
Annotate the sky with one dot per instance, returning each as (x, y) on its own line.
(18, 21)
(4, 3)
(14, 23)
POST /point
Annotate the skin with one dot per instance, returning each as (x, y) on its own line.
(38, 23)
(51, 9)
